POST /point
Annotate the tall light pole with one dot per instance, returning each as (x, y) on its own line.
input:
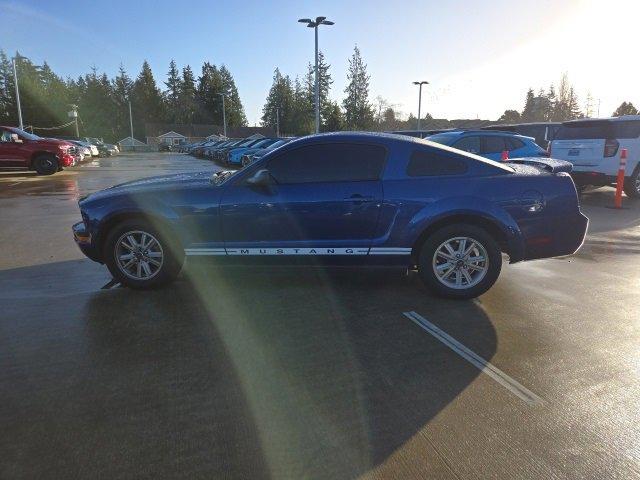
(278, 122)
(224, 115)
(315, 24)
(424, 82)
(15, 82)
(131, 122)
(74, 114)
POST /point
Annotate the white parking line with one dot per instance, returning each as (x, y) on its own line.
(484, 366)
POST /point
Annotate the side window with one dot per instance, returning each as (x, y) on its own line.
(513, 143)
(468, 144)
(493, 144)
(5, 136)
(627, 129)
(330, 162)
(428, 164)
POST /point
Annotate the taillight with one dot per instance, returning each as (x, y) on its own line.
(611, 147)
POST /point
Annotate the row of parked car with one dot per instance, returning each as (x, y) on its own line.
(88, 147)
(24, 150)
(235, 152)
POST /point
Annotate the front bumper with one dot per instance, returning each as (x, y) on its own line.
(84, 241)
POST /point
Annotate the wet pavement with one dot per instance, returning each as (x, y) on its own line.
(290, 373)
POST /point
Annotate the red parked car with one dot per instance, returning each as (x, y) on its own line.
(19, 149)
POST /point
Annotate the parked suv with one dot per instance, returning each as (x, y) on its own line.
(19, 149)
(490, 144)
(593, 146)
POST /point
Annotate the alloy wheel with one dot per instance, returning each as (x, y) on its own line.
(139, 255)
(460, 262)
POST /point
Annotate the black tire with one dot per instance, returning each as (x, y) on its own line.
(170, 263)
(632, 184)
(480, 283)
(45, 164)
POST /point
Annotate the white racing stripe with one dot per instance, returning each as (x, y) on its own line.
(275, 251)
(484, 366)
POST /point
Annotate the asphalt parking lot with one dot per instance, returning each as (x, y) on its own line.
(293, 373)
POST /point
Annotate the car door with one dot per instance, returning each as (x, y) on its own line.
(11, 151)
(325, 200)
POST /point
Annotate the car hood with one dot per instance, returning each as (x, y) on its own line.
(158, 183)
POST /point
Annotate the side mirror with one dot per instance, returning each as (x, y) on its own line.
(262, 178)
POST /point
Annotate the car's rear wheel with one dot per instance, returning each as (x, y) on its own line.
(632, 184)
(139, 256)
(460, 261)
(45, 164)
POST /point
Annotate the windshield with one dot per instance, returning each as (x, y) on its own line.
(27, 135)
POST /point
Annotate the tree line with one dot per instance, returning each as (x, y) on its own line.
(103, 103)
(559, 105)
(187, 98)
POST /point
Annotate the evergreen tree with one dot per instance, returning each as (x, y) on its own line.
(7, 104)
(121, 89)
(172, 94)
(186, 108)
(528, 110)
(146, 101)
(280, 105)
(234, 109)
(510, 116)
(96, 107)
(302, 116)
(357, 108)
(549, 105)
(625, 108)
(334, 120)
(209, 102)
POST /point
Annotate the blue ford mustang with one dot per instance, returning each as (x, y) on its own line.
(342, 198)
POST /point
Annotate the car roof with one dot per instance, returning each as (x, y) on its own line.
(483, 132)
(582, 121)
(386, 138)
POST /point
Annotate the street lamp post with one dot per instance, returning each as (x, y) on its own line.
(278, 122)
(315, 24)
(15, 82)
(224, 115)
(131, 121)
(420, 98)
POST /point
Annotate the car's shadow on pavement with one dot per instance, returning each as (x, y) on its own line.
(231, 372)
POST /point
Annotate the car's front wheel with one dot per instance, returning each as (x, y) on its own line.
(460, 261)
(139, 256)
(632, 184)
(45, 164)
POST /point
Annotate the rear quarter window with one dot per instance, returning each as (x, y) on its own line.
(585, 131)
(626, 129)
(432, 164)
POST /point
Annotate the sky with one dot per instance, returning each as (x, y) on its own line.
(479, 57)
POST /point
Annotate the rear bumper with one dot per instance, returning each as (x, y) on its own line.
(556, 237)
